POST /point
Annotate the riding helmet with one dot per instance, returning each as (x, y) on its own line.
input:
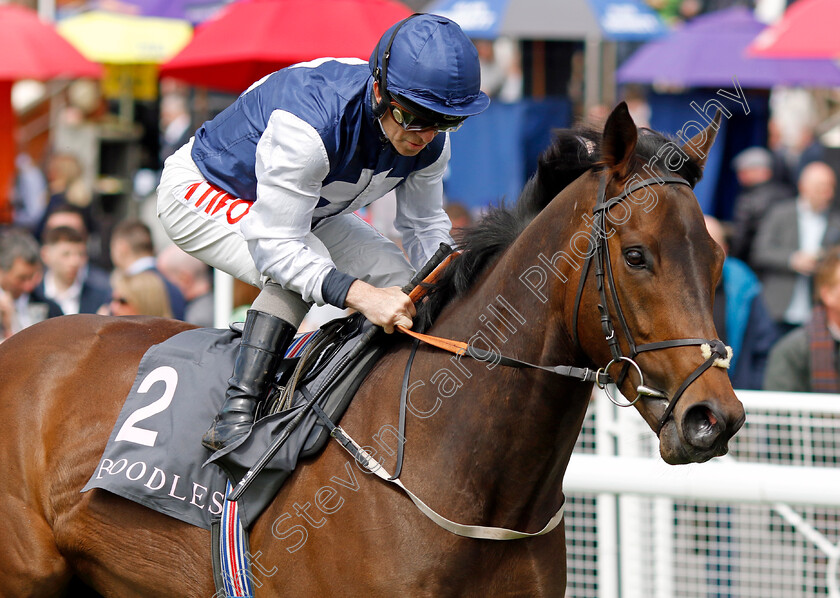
(431, 63)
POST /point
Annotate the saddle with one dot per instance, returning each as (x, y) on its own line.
(313, 365)
(154, 455)
(329, 368)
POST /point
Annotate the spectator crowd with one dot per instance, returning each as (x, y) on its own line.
(50, 270)
(777, 303)
(783, 245)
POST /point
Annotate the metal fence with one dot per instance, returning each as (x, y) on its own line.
(762, 522)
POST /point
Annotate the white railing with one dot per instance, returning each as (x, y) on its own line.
(762, 522)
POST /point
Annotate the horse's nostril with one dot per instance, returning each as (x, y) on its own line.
(701, 426)
(710, 416)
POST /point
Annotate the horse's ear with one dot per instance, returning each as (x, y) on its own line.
(698, 146)
(619, 141)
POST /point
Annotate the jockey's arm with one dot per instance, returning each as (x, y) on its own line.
(291, 165)
(290, 170)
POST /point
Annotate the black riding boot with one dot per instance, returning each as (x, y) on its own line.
(264, 342)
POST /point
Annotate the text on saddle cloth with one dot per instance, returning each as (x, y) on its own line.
(154, 455)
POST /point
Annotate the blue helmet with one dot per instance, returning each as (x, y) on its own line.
(427, 60)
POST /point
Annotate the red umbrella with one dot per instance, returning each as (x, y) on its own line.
(29, 49)
(808, 29)
(249, 39)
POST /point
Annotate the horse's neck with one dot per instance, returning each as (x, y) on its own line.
(524, 303)
(519, 425)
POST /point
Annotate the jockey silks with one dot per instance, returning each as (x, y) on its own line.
(304, 145)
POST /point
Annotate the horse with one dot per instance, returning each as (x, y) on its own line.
(484, 442)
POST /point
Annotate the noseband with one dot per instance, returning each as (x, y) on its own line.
(600, 258)
(715, 352)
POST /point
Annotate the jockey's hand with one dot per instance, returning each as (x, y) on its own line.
(387, 307)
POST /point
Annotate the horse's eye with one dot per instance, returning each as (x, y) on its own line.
(634, 258)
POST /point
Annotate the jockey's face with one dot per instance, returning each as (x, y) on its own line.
(407, 143)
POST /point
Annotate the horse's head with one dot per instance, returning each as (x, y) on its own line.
(614, 247)
(648, 279)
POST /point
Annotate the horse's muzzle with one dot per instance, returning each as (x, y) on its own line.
(701, 433)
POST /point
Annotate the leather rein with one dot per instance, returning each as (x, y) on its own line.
(603, 274)
(715, 351)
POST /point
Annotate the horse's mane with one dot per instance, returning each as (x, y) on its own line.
(572, 153)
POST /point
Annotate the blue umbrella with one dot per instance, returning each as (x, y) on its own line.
(614, 20)
(710, 50)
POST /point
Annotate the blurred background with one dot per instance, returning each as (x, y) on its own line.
(94, 95)
(159, 68)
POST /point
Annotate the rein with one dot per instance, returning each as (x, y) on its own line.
(461, 348)
(714, 351)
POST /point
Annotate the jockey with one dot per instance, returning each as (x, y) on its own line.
(267, 189)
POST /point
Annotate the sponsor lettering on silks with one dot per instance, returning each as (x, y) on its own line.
(216, 201)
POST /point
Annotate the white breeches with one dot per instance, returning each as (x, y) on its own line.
(204, 221)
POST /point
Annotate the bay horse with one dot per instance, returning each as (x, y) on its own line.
(484, 443)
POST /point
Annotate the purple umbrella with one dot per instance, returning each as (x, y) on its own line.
(194, 11)
(711, 50)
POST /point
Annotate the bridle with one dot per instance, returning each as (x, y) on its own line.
(599, 255)
(598, 258)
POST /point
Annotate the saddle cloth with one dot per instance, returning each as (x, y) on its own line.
(154, 455)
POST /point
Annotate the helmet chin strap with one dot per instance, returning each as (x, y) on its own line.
(380, 106)
(380, 75)
(384, 136)
(379, 115)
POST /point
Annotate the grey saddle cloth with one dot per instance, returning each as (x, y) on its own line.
(154, 455)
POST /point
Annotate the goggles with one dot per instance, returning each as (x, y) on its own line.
(411, 122)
